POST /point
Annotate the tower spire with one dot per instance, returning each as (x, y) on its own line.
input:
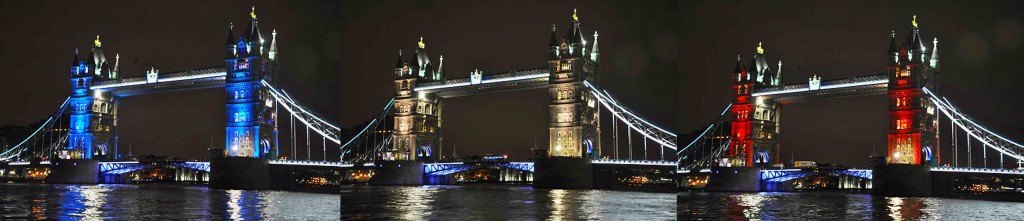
(117, 66)
(935, 54)
(273, 46)
(594, 53)
(97, 41)
(253, 13)
(914, 22)
(74, 62)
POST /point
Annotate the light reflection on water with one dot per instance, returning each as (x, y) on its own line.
(159, 202)
(838, 206)
(501, 202)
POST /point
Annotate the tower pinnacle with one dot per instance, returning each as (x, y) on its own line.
(421, 44)
(574, 17)
(97, 41)
(914, 22)
(760, 50)
(253, 13)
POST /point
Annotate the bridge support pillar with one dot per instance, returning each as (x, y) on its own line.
(239, 173)
(901, 180)
(387, 173)
(734, 179)
(563, 173)
(74, 171)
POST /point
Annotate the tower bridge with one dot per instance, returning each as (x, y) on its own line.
(574, 154)
(744, 140)
(78, 143)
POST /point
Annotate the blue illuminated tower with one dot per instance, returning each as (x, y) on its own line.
(251, 114)
(92, 113)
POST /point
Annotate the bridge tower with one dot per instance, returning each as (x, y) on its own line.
(417, 123)
(93, 114)
(251, 132)
(913, 123)
(92, 121)
(913, 120)
(754, 126)
(573, 122)
(573, 128)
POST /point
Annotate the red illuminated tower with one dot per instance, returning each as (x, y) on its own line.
(741, 146)
(913, 123)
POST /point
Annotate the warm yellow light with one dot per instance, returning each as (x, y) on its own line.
(422, 45)
(914, 22)
(760, 50)
(97, 41)
(253, 13)
(574, 18)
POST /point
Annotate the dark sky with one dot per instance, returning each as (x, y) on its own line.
(336, 58)
(39, 39)
(979, 46)
(637, 43)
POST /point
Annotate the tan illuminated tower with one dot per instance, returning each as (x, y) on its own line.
(417, 114)
(573, 121)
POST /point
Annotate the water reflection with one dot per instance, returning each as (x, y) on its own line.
(557, 204)
(159, 202)
(501, 202)
(413, 202)
(838, 206)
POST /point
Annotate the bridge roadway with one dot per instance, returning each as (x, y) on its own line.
(817, 89)
(436, 169)
(941, 178)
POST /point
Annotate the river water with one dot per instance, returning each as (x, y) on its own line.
(838, 206)
(196, 202)
(502, 202)
(159, 202)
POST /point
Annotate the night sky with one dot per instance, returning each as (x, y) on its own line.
(336, 58)
(979, 46)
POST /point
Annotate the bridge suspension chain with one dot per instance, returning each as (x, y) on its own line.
(41, 137)
(371, 140)
(310, 122)
(648, 130)
(313, 122)
(988, 138)
(696, 154)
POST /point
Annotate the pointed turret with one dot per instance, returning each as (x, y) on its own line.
(553, 44)
(892, 53)
(440, 69)
(915, 46)
(231, 42)
(574, 35)
(738, 68)
(935, 54)
(74, 61)
(554, 40)
(272, 55)
(423, 60)
(252, 33)
(117, 67)
(398, 63)
(594, 53)
(778, 75)
(96, 56)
